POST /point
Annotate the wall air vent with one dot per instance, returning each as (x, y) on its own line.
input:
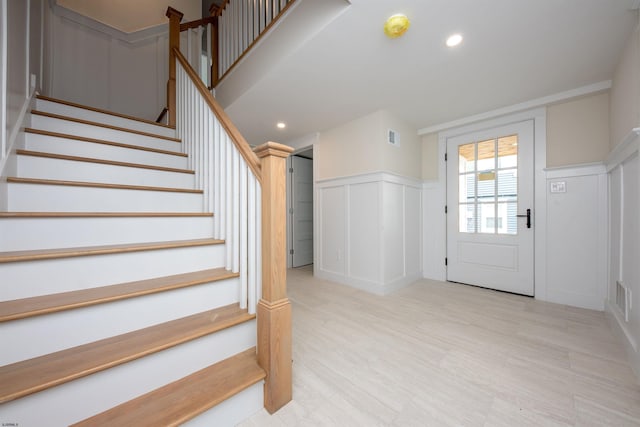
(623, 299)
(393, 137)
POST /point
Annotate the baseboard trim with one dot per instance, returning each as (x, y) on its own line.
(630, 343)
(370, 286)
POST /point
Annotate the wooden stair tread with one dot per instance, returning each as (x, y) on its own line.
(100, 161)
(43, 254)
(99, 110)
(102, 141)
(102, 125)
(37, 374)
(186, 398)
(45, 304)
(18, 180)
(103, 214)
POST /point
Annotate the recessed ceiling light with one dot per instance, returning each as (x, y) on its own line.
(281, 125)
(454, 40)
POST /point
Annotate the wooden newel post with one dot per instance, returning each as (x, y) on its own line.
(174, 42)
(274, 309)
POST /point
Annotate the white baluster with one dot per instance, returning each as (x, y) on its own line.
(258, 242)
(229, 203)
(236, 211)
(251, 243)
(243, 210)
(216, 181)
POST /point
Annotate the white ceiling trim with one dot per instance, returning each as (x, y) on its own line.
(534, 103)
(132, 38)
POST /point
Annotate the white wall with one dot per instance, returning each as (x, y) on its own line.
(368, 231)
(20, 56)
(624, 200)
(624, 240)
(577, 236)
(368, 201)
(96, 65)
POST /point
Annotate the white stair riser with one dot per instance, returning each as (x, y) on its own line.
(61, 198)
(58, 331)
(87, 396)
(232, 411)
(98, 132)
(69, 170)
(21, 234)
(33, 278)
(72, 147)
(94, 116)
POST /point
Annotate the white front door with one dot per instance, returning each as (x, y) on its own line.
(302, 214)
(490, 208)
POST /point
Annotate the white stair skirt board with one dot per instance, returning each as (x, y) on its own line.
(233, 410)
(60, 198)
(71, 328)
(79, 399)
(73, 170)
(33, 278)
(98, 132)
(20, 234)
(95, 116)
(73, 147)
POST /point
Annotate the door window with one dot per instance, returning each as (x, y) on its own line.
(488, 186)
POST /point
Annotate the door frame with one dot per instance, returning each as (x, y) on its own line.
(538, 115)
(289, 188)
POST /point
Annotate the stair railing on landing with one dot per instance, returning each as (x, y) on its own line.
(245, 189)
(241, 23)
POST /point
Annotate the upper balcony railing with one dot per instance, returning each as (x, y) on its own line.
(215, 44)
(241, 24)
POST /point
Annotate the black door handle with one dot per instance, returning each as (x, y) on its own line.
(528, 215)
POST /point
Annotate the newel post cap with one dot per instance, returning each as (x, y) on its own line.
(273, 149)
(171, 12)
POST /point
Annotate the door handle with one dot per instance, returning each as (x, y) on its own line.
(528, 216)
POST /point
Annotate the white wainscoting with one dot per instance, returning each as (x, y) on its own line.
(576, 251)
(624, 240)
(95, 65)
(369, 230)
(435, 230)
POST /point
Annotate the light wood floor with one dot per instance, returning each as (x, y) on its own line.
(442, 354)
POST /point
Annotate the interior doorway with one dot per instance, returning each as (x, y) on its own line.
(300, 184)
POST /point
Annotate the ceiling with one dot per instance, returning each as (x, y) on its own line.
(513, 51)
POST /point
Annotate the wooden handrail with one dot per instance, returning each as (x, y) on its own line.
(238, 140)
(197, 23)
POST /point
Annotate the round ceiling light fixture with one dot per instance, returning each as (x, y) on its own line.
(454, 40)
(281, 125)
(396, 26)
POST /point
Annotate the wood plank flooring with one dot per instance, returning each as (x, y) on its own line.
(443, 354)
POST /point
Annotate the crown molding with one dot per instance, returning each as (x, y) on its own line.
(534, 103)
(130, 38)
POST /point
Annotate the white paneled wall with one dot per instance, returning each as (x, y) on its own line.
(576, 235)
(99, 66)
(624, 241)
(20, 62)
(368, 230)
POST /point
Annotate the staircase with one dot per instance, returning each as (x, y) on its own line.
(116, 307)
